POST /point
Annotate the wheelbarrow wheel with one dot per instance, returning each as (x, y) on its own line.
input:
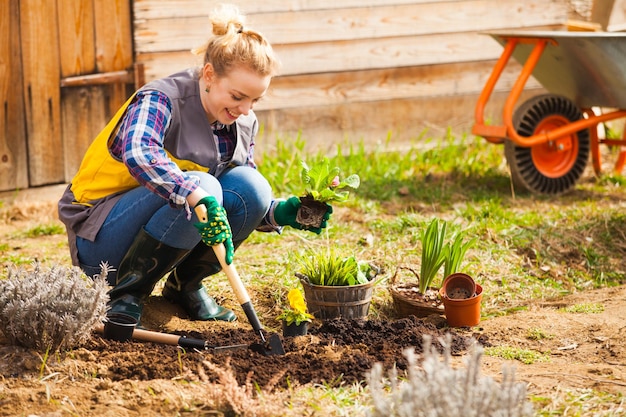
(552, 167)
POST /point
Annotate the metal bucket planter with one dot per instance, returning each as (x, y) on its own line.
(329, 302)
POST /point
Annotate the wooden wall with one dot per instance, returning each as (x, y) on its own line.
(358, 69)
(51, 108)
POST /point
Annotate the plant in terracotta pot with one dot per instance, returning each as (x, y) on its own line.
(336, 285)
(323, 184)
(422, 299)
(457, 284)
(295, 318)
(460, 294)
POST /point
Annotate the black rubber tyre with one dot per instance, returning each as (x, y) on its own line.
(544, 169)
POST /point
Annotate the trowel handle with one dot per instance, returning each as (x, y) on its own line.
(232, 274)
(238, 289)
(234, 279)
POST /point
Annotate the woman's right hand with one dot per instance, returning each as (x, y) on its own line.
(215, 228)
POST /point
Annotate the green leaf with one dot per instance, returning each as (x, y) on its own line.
(433, 253)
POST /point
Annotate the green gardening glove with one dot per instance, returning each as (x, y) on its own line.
(216, 229)
(285, 213)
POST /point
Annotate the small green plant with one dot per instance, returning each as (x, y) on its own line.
(455, 253)
(327, 267)
(585, 308)
(323, 183)
(538, 334)
(297, 311)
(433, 253)
(526, 356)
(46, 230)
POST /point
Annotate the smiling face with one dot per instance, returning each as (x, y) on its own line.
(232, 95)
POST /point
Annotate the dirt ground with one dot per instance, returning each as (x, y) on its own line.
(581, 351)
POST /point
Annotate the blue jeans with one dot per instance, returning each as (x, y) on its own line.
(243, 191)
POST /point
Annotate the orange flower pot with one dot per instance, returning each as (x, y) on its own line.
(458, 285)
(463, 312)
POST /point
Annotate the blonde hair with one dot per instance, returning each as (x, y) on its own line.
(232, 44)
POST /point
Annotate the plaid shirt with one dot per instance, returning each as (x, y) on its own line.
(139, 143)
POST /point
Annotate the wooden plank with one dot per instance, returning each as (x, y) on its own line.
(13, 157)
(83, 116)
(299, 27)
(389, 84)
(617, 20)
(38, 22)
(76, 37)
(353, 55)
(158, 9)
(114, 43)
(404, 122)
(601, 12)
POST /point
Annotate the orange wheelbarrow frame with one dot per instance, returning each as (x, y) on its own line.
(538, 42)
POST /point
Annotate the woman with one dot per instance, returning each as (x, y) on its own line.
(179, 142)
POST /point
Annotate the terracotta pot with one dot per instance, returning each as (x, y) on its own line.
(294, 329)
(463, 312)
(458, 286)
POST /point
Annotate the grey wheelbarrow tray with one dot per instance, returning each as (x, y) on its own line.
(549, 137)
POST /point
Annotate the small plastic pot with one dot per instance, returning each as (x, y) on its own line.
(458, 286)
(464, 312)
(119, 326)
(294, 329)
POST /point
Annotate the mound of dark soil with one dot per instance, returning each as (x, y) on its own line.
(337, 351)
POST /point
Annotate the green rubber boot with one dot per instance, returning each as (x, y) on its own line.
(184, 286)
(145, 263)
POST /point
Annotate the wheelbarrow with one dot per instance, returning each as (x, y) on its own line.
(548, 138)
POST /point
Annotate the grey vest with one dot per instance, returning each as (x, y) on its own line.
(189, 136)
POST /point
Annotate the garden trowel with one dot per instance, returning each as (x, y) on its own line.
(271, 346)
(176, 340)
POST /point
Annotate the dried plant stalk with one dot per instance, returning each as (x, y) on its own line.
(51, 309)
(438, 390)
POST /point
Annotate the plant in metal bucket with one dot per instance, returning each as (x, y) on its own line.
(328, 267)
(51, 309)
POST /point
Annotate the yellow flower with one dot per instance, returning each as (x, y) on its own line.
(298, 311)
(296, 301)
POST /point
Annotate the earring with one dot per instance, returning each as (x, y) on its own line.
(208, 90)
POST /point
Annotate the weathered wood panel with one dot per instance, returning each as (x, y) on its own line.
(96, 38)
(40, 57)
(395, 21)
(77, 37)
(397, 123)
(114, 46)
(611, 14)
(84, 113)
(157, 9)
(13, 158)
(352, 56)
(384, 85)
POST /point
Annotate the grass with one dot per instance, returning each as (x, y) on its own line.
(526, 356)
(584, 308)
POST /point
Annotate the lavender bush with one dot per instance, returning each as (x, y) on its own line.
(51, 309)
(438, 390)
